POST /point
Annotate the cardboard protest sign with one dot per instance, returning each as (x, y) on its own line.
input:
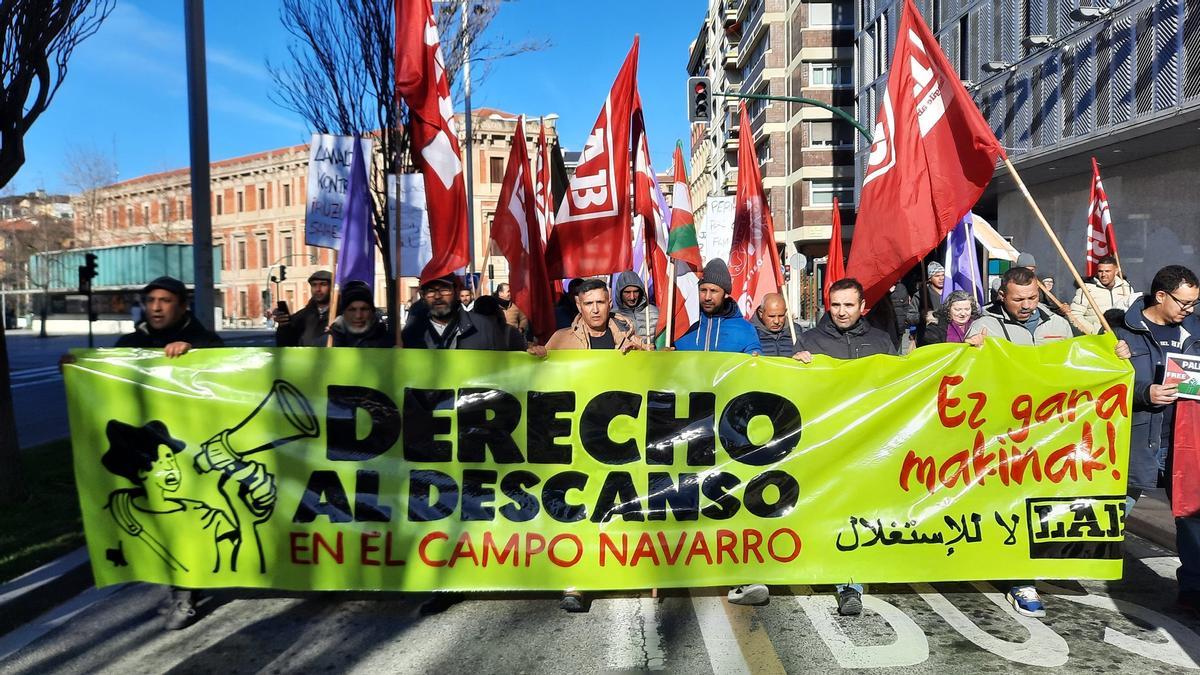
(329, 162)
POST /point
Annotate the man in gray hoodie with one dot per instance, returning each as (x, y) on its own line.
(633, 304)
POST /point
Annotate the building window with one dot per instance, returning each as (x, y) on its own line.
(241, 254)
(287, 194)
(241, 202)
(262, 253)
(145, 214)
(763, 150)
(823, 190)
(179, 209)
(829, 75)
(496, 169)
(128, 216)
(262, 198)
(833, 134)
(243, 305)
(220, 205)
(838, 13)
(287, 246)
(163, 212)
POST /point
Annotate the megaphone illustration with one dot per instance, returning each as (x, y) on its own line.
(282, 417)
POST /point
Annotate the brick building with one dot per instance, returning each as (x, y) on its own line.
(258, 205)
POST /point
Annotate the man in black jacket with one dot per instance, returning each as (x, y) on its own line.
(448, 325)
(771, 322)
(168, 324)
(843, 334)
(306, 327)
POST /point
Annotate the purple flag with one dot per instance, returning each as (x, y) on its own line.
(962, 267)
(356, 254)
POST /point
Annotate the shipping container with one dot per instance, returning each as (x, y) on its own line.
(118, 267)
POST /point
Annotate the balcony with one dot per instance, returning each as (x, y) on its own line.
(730, 15)
(731, 144)
(730, 184)
(731, 57)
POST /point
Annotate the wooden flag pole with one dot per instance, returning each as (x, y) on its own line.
(333, 300)
(1062, 307)
(791, 325)
(1057, 244)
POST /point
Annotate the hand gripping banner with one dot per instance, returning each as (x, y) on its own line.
(418, 470)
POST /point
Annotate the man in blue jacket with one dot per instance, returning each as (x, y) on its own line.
(721, 327)
(1160, 323)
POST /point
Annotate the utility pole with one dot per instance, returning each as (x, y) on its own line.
(197, 80)
(466, 69)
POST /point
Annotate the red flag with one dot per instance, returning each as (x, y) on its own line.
(1101, 239)
(683, 245)
(421, 82)
(835, 268)
(515, 231)
(543, 199)
(591, 230)
(753, 259)
(932, 157)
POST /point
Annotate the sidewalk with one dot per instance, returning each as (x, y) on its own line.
(1152, 519)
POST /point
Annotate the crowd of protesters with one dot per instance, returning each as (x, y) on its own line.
(596, 314)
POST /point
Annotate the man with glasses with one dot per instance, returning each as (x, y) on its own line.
(1162, 322)
(447, 324)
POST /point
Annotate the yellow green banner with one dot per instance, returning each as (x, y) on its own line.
(415, 470)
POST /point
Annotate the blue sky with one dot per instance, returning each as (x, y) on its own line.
(126, 91)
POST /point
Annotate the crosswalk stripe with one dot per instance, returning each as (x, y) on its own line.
(910, 647)
(724, 652)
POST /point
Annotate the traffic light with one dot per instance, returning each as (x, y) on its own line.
(87, 272)
(699, 99)
(282, 272)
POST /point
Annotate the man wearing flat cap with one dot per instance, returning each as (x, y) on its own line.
(306, 327)
(167, 323)
(447, 324)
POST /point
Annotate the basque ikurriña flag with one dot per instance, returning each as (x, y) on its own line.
(683, 244)
(931, 158)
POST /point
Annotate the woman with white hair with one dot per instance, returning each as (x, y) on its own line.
(954, 319)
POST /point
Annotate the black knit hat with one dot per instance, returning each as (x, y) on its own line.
(716, 272)
(168, 284)
(352, 291)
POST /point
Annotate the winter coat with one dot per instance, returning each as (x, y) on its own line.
(861, 339)
(643, 315)
(935, 333)
(306, 327)
(777, 343)
(1120, 296)
(514, 316)
(467, 330)
(189, 330)
(575, 336)
(1000, 325)
(1148, 358)
(377, 335)
(724, 331)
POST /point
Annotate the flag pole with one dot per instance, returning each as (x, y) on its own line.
(671, 299)
(333, 300)
(1057, 244)
(1062, 307)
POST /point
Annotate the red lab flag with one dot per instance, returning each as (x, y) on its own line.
(835, 268)
(931, 158)
(753, 259)
(543, 199)
(516, 233)
(591, 229)
(1101, 239)
(421, 82)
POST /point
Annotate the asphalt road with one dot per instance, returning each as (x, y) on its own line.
(39, 398)
(1131, 626)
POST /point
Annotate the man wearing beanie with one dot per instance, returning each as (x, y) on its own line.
(447, 324)
(721, 327)
(167, 323)
(307, 326)
(358, 324)
(935, 282)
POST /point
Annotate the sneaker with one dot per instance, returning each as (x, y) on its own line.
(440, 601)
(180, 611)
(1026, 601)
(572, 602)
(750, 594)
(849, 602)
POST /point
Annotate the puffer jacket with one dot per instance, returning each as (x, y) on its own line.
(999, 324)
(724, 331)
(643, 315)
(1148, 358)
(861, 339)
(575, 336)
(1120, 296)
(778, 343)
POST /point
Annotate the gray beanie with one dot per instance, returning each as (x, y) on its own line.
(716, 272)
(1026, 260)
(936, 268)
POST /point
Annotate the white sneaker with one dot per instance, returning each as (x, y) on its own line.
(750, 594)
(1026, 601)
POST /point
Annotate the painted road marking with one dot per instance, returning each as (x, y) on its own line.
(1043, 648)
(724, 652)
(908, 649)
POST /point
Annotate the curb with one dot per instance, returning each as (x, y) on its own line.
(34, 592)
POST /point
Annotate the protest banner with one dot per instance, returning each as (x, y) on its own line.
(422, 470)
(328, 181)
(413, 247)
(1183, 371)
(717, 237)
